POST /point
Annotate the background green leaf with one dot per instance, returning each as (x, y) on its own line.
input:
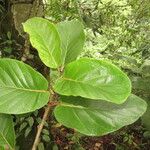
(72, 39)
(96, 118)
(141, 83)
(146, 117)
(44, 37)
(95, 79)
(2, 147)
(22, 89)
(7, 133)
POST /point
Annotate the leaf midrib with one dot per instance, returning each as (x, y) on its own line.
(46, 47)
(25, 89)
(72, 106)
(83, 83)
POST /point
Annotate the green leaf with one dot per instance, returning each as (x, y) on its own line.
(22, 126)
(27, 131)
(146, 134)
(2, 147)
(46, 138)
(30, 121)
(146, 117)
(72, 39)
(55, 147)
(141, 83)
(44, 131)
(95, 118)
(22, 89)
(41, 146)
(94, 79)
(145, 68)
(7, 133)
(45, 38)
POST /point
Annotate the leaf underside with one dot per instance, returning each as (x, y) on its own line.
(45, 38)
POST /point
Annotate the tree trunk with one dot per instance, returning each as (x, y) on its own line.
(16, 12)
(25, 9)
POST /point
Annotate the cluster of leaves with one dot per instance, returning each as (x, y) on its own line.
(124, 37)
(116, 29)
(94, 96)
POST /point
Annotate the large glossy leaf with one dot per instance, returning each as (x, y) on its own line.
(45, 38)
(72, 39)
(95, 79)
(22, 89)
(7, 134)
(95, 118)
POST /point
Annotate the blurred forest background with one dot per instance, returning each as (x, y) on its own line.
(118, 30)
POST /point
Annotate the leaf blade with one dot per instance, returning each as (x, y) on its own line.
(94, 79)
(95, 118)
(72, 39)
(21, 85)
(45, 38)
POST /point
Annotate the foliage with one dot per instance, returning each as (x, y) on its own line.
(104, 90)
(7, 134)
(141, 86)
(118, 30)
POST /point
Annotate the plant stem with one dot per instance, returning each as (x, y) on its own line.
(52, 102)
(40, 127)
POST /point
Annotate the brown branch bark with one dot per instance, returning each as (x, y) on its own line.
(45, 116)
(40, 127)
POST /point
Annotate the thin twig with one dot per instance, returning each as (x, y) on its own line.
(40, 127)
(51, 103)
